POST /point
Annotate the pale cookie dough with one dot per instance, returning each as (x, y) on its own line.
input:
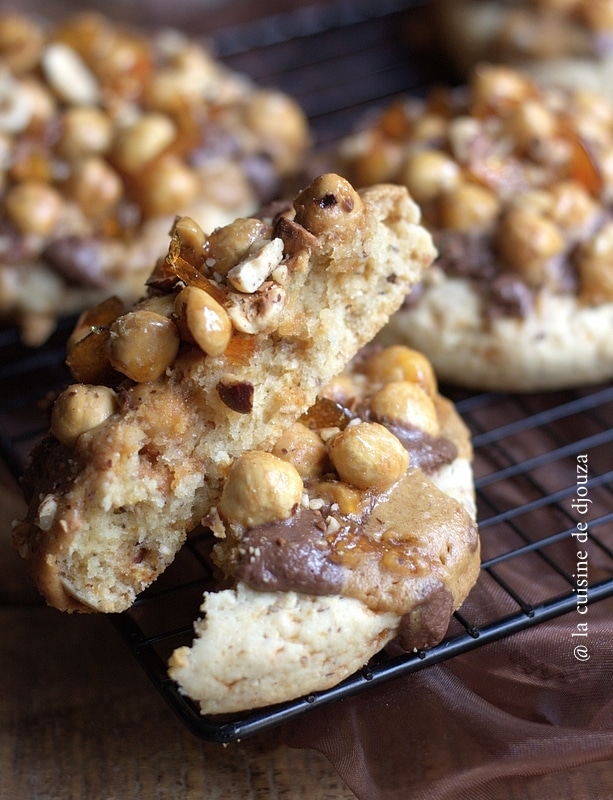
(515, 182)
(106, 134)
(566, 42)
(170, 392)
(357, 528)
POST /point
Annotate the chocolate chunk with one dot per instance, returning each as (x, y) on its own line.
(78, 259)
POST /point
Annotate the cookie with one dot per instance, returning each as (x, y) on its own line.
(106, 134)
(566, 42)
(515, 183)
(239, 332)
(357, 528)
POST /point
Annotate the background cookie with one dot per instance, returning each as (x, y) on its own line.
(239, 332)
(515, 182)
(566, 42)
(105, 135)
(357, 528)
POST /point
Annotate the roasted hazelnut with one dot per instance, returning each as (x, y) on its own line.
(527, 241)
(400, 363)
(142, 344)
(329, 204)
(202, 320)
(143, 141)
(260, 488)
(80, 408)
(368, 456)
(303, 448)
(428, 173)
(405, 403)
(228, 245)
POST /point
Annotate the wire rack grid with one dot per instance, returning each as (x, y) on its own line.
(529, 449)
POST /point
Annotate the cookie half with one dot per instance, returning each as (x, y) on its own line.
(357, 528)
(239, 332)
(515, 183)
(107, 134)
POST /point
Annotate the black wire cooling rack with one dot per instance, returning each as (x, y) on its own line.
(536, 503)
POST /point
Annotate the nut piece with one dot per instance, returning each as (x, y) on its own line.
(248, 275)
(329, 204)
(229, 245)
(33, 207)
(143, 141)
(259, 312)
(80, 408)
(302, 447)
(400, 363)
(260, 488)
(405, 403)
(68, 75)
(368, 456)
(142, 344)
(202, 320)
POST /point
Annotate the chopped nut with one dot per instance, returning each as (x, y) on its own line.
(67, 73)
(237, 395)
(250, 273)
(80, 408)
(259, 312)
(229, 245)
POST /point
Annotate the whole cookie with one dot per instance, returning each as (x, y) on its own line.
(356, 528)
(105, 135)
(515, 182)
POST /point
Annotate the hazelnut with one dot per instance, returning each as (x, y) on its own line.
(303, 448)
(142, 344)
(401, 363)
(368, 456)
(260, 488)
(405, 403)
(328, 204)
(33, 207)
(143, 141)
(229, 245)
(80, 408)
(428, 173)
(202, 320)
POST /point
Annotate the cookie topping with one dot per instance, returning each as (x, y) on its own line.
(514, 178)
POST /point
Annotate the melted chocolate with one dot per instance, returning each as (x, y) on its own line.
(291, 555)
(426, 624)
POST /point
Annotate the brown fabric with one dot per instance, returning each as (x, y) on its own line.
(516, 710)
